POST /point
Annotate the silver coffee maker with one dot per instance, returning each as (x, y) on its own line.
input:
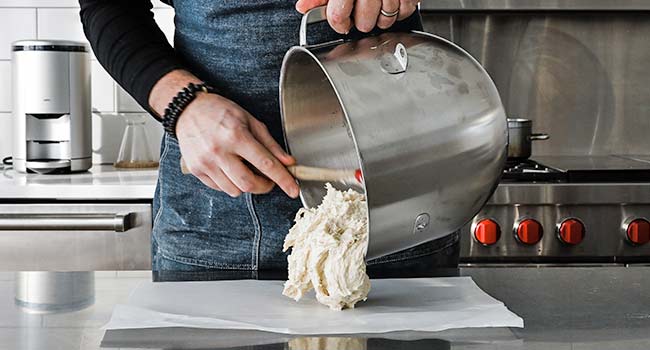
(51, 106)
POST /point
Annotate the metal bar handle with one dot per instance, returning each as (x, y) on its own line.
(538, 137)
(315, 15)
(116, 222)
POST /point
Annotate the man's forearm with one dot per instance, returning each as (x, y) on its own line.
(167, 87)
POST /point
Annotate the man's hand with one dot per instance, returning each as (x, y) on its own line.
(216, 137)
(365, 15)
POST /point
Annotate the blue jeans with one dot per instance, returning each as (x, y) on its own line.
(197, 228)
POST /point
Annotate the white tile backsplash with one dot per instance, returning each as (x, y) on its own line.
(56, 3)
(102, 88)
(155, 133)
(107, 136)
(60, 23)
(165, 19)
(160, 4)
(5, 86)
(126, 103)
(5, 134)
(39, 3)
(15, 24)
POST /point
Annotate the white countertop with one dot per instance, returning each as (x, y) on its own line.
(101, 182)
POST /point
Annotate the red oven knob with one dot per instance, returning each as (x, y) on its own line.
(638, 231)
(529, 231)
(487, 232)
(571, 231)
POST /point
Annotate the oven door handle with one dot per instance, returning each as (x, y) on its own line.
(116, 222)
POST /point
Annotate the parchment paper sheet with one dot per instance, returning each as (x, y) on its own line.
(417, 304)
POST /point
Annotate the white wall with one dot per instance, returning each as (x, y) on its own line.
(59, 19)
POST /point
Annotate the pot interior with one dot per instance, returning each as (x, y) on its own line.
(316, 128)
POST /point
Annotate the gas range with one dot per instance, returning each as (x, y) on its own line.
(565, 210)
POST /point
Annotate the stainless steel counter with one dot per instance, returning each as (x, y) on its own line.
(102, 182)
(563, 308)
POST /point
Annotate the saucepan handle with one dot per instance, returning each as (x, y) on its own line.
(537, 137)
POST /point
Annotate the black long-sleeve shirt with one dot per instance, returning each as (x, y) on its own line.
(234, 46)
(129, 44)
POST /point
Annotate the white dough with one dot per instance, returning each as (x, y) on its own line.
(328, 343)
(329, 248)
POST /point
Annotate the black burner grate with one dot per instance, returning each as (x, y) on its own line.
(529, 170)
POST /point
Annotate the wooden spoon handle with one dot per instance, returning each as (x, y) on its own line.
(302, 172)
(308, 173)
(184, 168)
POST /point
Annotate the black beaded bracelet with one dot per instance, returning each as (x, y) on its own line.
(179, 103)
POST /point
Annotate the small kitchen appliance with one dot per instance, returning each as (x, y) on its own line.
(51, 106)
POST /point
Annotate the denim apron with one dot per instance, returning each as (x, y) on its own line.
(238, 46)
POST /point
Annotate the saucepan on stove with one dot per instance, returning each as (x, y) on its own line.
(416, 113)
(521, 137)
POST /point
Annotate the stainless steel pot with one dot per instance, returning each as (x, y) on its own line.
(520, 138)
(417, 114)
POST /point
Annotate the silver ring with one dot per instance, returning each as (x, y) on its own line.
(390, 14)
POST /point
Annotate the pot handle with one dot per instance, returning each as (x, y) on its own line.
(392, 64)
(315, 15)
(538, 137)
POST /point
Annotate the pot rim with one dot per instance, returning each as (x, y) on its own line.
(519, 121)
(306, 50)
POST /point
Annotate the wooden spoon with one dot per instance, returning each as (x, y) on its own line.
(308, 173)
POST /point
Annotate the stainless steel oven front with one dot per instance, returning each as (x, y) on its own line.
(73, 236)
